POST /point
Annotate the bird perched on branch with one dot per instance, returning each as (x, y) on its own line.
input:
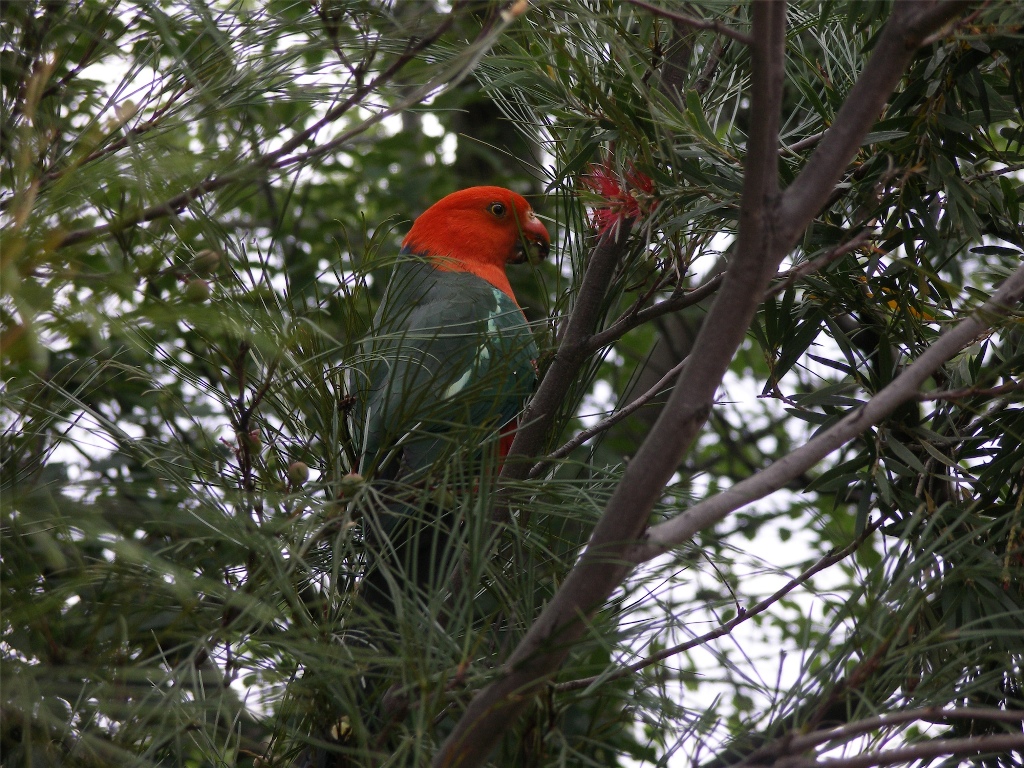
(451, 360)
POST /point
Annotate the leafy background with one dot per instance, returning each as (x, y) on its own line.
(199, 205)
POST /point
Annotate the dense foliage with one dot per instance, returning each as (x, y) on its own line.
(200, 203)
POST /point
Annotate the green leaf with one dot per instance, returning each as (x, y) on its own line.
(695, 114)
(904, 453)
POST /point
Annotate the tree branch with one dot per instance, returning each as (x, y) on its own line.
(470, 58)
(804, 143)
(959, 394)
(694, 22)
(972, 745)
(634, 318)
(1012, 168)
(904, 387)
(610, 421)
(283, 157)
(825, 562)
(704, 80)
(572, 351)
(766, 233)
(536, 420)
(907, 28)
(637, 317)
(815, 265)
(789, 745)
(108, 149)
(602, 568)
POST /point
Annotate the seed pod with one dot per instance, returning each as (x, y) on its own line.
(298, 473)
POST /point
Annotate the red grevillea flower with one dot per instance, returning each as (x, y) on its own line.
(620, 200)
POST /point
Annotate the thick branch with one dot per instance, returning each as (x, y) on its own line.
(903, 388)
(572, 351)
(766, 233)
(601, 568)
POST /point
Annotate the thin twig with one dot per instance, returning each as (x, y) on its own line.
(268, 379)
(115, 146)
(473, 54)
(816, 265)
(805, 143)
(972, 745)
(572, 351)
(949, 29)
(608, 421)
(904, 387)
(635, 317)
(1012, 168)
(743, 615)
(283, 157)
(536, 420)
(707, 74)
(936, 715)
(692, 21)
(959, 394)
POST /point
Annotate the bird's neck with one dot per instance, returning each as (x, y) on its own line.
(492, 273)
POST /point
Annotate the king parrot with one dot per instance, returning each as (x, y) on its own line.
(451, 358)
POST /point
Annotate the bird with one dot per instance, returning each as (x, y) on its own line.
(450, 359)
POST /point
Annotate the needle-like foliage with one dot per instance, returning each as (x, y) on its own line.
(767, 501)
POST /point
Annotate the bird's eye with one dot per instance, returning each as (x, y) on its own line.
(498, 209)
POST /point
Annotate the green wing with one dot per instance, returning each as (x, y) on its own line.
(448, 351)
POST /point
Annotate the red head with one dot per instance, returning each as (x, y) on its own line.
(480, 230)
